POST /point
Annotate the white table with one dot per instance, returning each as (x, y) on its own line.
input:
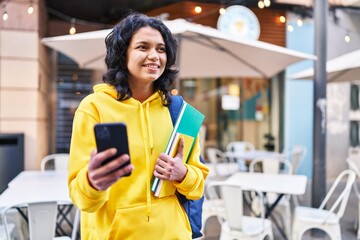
(270, 183)
(282, 184)
(40, 177)
(37, 186)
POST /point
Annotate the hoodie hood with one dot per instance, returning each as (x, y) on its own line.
(106, 88)
(111, 91)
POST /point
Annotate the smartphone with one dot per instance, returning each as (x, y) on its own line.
(112, 135)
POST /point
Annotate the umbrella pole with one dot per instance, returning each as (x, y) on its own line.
(220, 127)
(319, 138)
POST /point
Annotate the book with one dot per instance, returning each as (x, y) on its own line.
(187, 126)
(188, 141)
(166, 188)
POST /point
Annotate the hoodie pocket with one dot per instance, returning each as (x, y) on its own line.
(167, 220)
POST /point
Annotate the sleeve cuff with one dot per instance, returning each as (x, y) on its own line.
(188, 183)
(86, 188)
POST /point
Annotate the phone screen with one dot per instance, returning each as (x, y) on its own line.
(112, 135)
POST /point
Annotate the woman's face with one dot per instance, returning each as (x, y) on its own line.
(146, 56)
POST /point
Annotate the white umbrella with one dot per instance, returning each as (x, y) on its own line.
(343, 68)
(203, 52)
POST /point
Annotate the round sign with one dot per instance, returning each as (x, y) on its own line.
(239, 21)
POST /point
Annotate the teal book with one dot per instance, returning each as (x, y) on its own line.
(187, 126)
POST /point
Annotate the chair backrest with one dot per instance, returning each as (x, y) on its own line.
(233, 201)
(297, 156)
(42, 219)
(271, 165)
(220, 163)
(215, 155)
(213, 191)
(232, 196)
(342, 200)
(60, 161)
(214, 199)
(240, 146)
(352, 165)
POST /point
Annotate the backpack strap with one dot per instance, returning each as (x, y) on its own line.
(193, 208)
(174, 107)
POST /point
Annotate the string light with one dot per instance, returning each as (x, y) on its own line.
(347, 37)
(222, 11)
(264, 3)
(72, 29)
(282, 19)
(30, 9)
(198, 9)
(290, 28)
(299, 22)
(261, 4)
(5, 15)
(267, 3)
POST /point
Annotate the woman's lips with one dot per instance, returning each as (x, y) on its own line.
(152, 66)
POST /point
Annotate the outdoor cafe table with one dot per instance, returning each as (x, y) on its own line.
(281, 184)
(37, 186)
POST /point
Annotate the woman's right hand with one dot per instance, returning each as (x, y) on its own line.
(101, 177)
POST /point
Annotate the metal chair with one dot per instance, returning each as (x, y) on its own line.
(42, 220)
(306, 218)
(57, 161)
(213, 206)
(240, 147)
(220, 169)
(283, 208)
(10, 230)
(297, 156)
(220, 166)
(353, 166)
(60, 161)
(235, 224)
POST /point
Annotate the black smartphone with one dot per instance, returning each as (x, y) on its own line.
(112, 135)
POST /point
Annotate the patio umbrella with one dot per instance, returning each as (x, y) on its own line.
(203, 52)
(343, 68)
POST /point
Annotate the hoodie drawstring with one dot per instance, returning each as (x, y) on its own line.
(148, 139)
(151, 139)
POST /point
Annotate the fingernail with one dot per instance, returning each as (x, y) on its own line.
(113, 150)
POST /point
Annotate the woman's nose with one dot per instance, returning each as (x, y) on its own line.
(153, 55)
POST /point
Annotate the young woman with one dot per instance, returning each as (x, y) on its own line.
(140, 57)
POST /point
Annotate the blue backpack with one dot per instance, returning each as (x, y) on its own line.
(193, 208)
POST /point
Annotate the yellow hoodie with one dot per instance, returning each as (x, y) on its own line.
(128, 209)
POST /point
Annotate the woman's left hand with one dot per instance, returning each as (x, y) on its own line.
(172, 169)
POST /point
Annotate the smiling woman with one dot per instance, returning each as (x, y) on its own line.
(140, 58)
(145, 44)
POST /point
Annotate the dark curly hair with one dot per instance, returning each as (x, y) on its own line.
(117, 43)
